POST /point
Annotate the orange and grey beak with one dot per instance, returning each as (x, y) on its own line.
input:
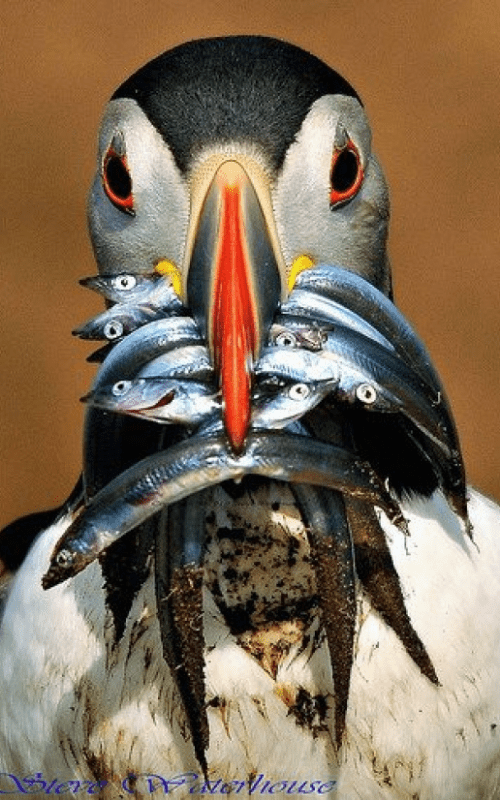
(233, 287)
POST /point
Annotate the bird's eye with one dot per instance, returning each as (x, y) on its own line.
(117, 181)
(346, 174)
(120, 388)
(124, 283)
(299, 391)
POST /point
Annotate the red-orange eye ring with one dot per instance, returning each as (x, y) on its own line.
(117, 181)
(346, 174)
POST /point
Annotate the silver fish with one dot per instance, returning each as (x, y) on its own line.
(291, 331)
(323, 309)
(367, 374)
(148, 342)
(278, 407)
(346, 379)
(296, 366)
(117, 322)
(278, 403)
(112, 441)
(152, 289)
(145, 344)
(185, 468)
(373, 379)
(359, 296)
(192, 361)
(158, 399)
(350, 378)
(381, 381)
(377, 380)
(179, 572)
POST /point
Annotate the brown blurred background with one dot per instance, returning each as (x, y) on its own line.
(429, 74)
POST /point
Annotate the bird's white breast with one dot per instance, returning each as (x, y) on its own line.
(72, 706)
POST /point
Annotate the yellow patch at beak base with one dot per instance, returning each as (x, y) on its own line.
(299, 265)
(168, 268)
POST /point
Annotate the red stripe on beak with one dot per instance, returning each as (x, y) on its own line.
(235, 329)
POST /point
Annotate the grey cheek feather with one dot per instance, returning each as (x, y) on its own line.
(373, 217)
(306, 223)
(161, 203)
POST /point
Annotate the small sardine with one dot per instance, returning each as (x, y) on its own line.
(347, 379)
(179, 573)
(296, 366)
(309, 305)
(287, 404)
(291, 331)
(192, 361)
(158, 399)
(151, 289)
(117, 322)
(112, 441)
(372, 378)
(359, 296)
(142, 346)
(376, 380)
(381, 381)
(195, 464)
(367, 375)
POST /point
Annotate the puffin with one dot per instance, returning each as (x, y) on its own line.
(213, 648)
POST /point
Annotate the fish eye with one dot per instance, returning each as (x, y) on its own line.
(124, 282)
(113, 329)
(299, 391)
(346, 174)
(120, 388)
(366, 393)
(117, 181)
(286, 339)
(63, 558)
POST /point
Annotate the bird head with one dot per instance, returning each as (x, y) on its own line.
(231, 165)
